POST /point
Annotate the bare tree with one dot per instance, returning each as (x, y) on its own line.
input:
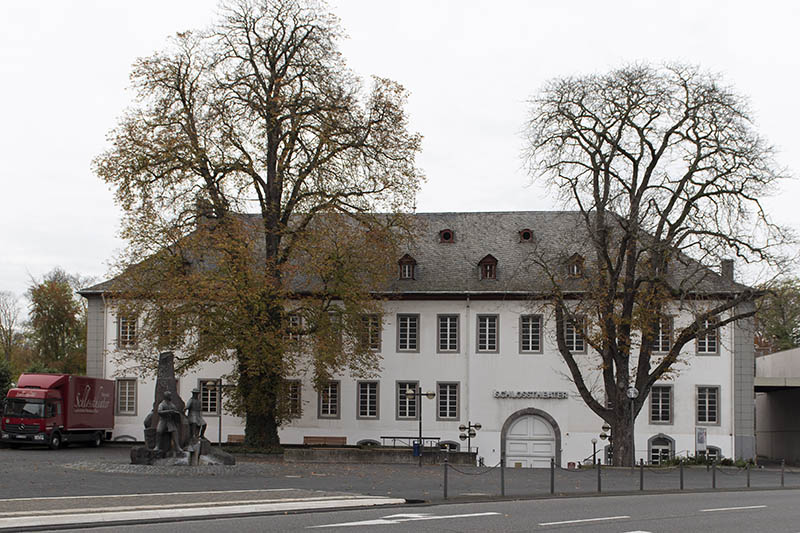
(666, 172)
(9, 322)
(259, 114)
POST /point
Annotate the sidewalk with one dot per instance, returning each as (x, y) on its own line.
(48, 513)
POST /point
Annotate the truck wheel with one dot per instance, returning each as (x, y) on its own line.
(97, 440)
(55, 440)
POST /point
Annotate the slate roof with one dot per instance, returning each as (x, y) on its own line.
(451, 268)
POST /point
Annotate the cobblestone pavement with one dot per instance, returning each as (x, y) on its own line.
(28, 473)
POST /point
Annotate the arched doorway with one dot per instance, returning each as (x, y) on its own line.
(530, 438)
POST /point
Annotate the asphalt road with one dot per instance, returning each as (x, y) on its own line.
(730, 512)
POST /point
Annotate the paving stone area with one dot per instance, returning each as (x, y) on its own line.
(86, 471)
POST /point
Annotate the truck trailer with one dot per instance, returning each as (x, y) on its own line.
(57, 409)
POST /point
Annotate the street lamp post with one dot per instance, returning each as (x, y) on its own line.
(419, 394)
(468, 432)
(594, 451)
(632, 394)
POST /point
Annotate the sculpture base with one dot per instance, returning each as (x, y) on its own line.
(209, 455)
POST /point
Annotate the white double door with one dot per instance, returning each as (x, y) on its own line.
(530, 443)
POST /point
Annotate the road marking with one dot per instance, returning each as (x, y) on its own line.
(400, 518)
(584, 520)
(140, 495)
(733, 508)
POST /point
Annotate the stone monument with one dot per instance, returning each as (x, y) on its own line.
(168, 438)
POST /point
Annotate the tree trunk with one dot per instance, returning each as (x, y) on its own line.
(258, 389)
(622, 435)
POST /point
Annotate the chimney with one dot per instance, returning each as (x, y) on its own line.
(726, 269)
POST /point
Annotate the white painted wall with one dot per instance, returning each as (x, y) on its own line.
(479, 374)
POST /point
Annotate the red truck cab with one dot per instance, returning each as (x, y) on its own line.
(55, 409)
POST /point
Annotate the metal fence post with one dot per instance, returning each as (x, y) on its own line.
(748, 475)
(502, 473)
(641, 474)
(445, 477)
(599, 478)
(714, 475)
(681, 469)
(783, 471)
(552, 475)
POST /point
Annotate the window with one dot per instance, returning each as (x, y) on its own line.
(406, 403)
(525, 235)
(447, 236)
(407, 333)
(295, 327)
(575, 266)
(487, 333)
(126, 331)
(573, 337)
(447, 332)
(294, 399)
(661, 404)
(487, 267)
(447, 395)
(530, 334)
(367, 399)
(660, 450)
(407, 267)
(209, 396)
(371, 332)
(708, 405)
(662, 335)
(126, 397)
(329, 400)
(707, 343)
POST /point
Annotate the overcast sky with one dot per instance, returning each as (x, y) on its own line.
(469, 66)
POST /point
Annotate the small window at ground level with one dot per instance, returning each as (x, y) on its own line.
(126, 396)
(329, 400)
(209, 396)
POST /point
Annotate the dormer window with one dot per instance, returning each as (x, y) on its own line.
(488, 267)
(447, 236)
(575, 266)
(526, 235)
(407, 267)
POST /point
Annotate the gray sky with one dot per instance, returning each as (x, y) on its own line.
(468, 65)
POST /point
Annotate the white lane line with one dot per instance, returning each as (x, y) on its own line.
(134, 516)
(733, 508)
(400, 518)
(584, 520)
(140, 495)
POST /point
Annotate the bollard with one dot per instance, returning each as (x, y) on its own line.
(748, 474)
(502, 473)
(681, 469)
(599, 482)
(714, 475)
(552, 475)
(783, 470)
(641, 474)
(445, 477)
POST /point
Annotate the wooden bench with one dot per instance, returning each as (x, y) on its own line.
(238, 439)
(324, 441)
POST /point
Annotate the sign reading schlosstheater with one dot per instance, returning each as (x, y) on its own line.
(530, 394)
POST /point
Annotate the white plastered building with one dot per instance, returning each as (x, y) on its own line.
(460, 322)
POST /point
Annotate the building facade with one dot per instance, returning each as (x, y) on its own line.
(462, 321)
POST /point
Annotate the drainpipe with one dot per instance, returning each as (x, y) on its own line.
(467, 359)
